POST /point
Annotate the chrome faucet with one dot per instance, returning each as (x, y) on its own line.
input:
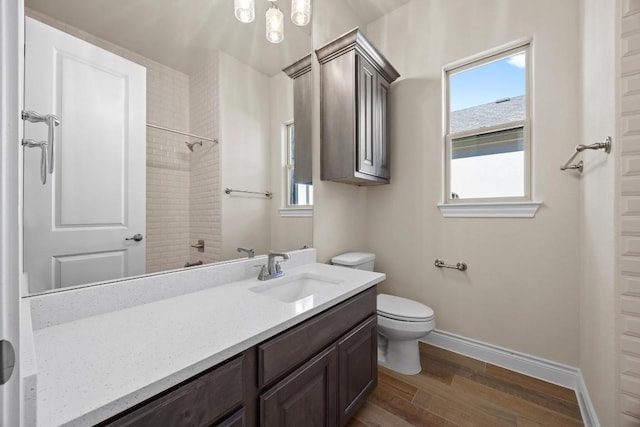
(250, 252)
(273, 268)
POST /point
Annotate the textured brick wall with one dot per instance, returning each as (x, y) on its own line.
(629, 193)
(205, 214)
(167, 169)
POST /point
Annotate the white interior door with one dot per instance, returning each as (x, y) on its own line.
(76, 225)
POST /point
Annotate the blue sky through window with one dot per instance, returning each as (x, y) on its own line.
(487, 83)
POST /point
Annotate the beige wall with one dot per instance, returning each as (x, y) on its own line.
(597, 215)
(522, 288)
(244, 156)
(340, 210)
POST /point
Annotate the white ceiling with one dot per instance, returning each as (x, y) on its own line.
(370, 10)
(178, 32)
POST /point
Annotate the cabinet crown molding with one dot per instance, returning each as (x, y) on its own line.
(299, 67)
(355, 40)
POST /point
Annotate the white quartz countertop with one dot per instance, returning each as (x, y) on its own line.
(95, 367)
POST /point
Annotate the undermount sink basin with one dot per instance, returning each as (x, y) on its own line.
(297, 287)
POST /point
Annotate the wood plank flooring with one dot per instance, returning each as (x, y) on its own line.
(454, 390)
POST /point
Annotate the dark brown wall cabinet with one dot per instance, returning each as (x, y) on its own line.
(314, 374)
(300, 72)
(354, 113)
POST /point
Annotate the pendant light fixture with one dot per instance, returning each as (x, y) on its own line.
(300, 12)
(275, 24)
(245, 12)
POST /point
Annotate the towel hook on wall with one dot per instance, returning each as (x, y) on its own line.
(605, 146)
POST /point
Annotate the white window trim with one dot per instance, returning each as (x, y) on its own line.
(490, 210)
(287, 210)
(301, 212)
(504, 207)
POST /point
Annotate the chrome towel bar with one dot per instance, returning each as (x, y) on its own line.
(267, 194)
(179, 132)
(462, 266)
(605, 145)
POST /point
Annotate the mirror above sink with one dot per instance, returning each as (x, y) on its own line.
(203, 74)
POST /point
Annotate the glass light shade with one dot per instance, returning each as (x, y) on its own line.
(275, 25)
(300, 12)
(245, 10)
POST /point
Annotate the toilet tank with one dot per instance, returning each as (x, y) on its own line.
(357, 260)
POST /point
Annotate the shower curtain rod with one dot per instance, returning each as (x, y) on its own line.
(215, 141)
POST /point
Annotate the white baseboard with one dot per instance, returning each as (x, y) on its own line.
(543, 369)
(586, 406)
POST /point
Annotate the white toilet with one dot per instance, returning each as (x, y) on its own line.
(401, 321)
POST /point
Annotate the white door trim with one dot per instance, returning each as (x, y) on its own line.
(11, 66)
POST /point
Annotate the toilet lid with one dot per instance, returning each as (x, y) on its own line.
(402, 308)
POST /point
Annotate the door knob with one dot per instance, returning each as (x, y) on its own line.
(136, 237)
(7, 361)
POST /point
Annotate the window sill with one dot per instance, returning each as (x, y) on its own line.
(490, 210)
(306, 211)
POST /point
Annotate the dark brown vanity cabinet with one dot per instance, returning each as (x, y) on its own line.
(315, 374)
(355, 134)
(319, 372)
(220, 396)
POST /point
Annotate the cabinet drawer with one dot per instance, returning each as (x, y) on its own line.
(236, 419)
(198, 402)
(287, 351)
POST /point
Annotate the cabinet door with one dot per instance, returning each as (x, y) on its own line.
(383, 136)
(366, 138)
(357, 367)
(304, 398)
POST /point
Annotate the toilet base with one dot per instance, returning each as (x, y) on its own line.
(400, 356)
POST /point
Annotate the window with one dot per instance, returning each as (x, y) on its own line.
(298, 194)
(487, 129)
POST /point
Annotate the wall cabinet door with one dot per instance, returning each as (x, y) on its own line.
(373, 121)
(304, 398)
(357, 367)
(383, 134)
(367, 139)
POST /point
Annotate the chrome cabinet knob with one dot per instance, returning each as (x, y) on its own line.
(136, 237)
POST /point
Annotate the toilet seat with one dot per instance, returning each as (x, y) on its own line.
(403, 309)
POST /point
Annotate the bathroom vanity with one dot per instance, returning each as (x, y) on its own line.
(315, 373)
(239, 352)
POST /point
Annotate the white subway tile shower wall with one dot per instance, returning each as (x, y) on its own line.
(629, 211)
(167, 169)
(204, 200)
